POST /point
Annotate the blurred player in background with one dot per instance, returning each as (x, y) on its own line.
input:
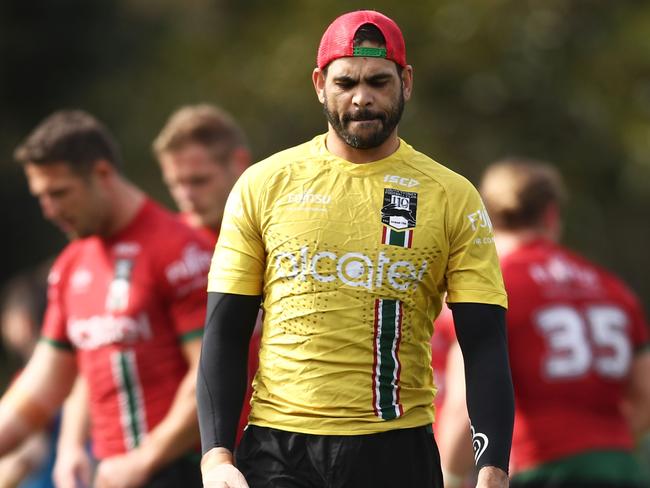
(578, 343)
(21, 315)
(125, 303)
(202, 151)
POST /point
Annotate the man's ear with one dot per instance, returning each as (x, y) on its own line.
(318, 78)
(552, 221)
(103, 169)
(407, 81)
(240, 159)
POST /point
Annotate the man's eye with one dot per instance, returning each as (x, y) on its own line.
(58, 194)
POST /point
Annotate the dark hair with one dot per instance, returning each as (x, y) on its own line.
(203, 124)
(370, 33)
(71, 136)
(517, 192)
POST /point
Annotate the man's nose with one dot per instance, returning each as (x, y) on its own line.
(363, 96)
(49, 207)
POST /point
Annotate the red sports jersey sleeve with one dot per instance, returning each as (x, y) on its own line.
(54, 322)
(183, 279)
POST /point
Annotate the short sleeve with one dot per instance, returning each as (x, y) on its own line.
(473, 272)
(239, 258)
(54, 329)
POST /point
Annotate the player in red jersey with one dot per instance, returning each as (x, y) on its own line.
(125, 304)
(202, 151)
(578, 343)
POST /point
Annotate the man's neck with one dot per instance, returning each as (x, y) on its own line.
(343, 150)
(509, 241)
(126, 201)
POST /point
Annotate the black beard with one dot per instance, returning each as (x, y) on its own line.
(377, 138)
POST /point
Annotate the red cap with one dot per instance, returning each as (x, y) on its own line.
(337, 42)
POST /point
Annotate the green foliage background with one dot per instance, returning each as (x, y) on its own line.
(563, 80)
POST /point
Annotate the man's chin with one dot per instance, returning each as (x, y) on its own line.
(364, 141)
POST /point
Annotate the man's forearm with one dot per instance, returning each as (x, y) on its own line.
(75, 417)
(178, 432)
(481, 333)
(34, 397)
(222, 376)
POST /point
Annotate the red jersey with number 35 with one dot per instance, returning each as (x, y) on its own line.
(573, 329)
(126, 304)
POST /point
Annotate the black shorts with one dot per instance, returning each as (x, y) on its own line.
(185, 473)
(405, 458)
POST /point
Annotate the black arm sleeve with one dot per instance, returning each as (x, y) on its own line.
(481, 333)
(222, 375)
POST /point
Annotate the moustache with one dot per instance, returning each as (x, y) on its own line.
(362, 115)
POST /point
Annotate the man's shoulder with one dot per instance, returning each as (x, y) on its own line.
(283, 158)
(432, 170)
(160, 225)
(555, 263)
(68, 258)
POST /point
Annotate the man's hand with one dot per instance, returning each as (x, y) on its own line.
(492, 477)
(130, 470)
(219, 472)
(73, 468)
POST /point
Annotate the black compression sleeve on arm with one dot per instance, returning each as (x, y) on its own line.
(481, 333)
(222, 375)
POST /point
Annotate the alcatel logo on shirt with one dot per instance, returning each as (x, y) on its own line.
(352, 268)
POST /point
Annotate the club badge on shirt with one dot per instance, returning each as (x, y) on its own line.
(117, 298)
(398, 215)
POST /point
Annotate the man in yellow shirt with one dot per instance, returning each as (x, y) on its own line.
(350, 242)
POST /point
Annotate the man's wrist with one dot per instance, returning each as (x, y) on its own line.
(148, 457)
(452, 480)
(492, 477)
(215, 457)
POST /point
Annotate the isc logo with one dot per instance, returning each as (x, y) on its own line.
(407, 182)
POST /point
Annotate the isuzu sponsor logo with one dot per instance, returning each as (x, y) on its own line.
(560, 270)
(352, 269)
(101, 330)
(309, 197)
(194, 262)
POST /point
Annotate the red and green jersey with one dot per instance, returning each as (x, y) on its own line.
(573, 329)
(125, 305)
(444, 336)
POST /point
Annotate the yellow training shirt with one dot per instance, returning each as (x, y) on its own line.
(353, 261)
